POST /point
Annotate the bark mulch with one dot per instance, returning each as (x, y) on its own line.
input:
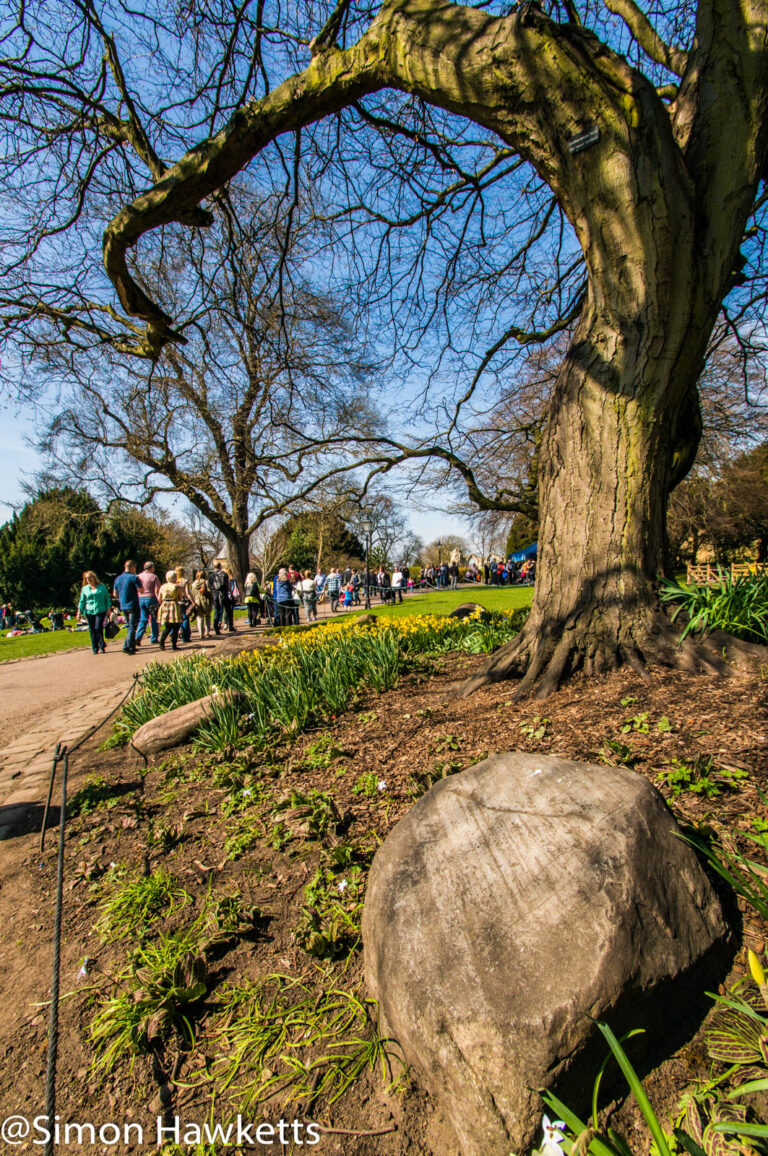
(173, 816)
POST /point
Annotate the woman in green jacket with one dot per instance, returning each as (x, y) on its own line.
(94, 606)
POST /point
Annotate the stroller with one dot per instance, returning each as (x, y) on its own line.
(28, 621)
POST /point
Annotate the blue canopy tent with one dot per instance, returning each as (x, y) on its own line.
(529, 552)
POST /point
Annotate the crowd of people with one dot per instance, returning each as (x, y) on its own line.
(166, 609)
(344, 589)
(169, 609)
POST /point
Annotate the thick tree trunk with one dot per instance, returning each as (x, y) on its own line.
(238, 549)
(620, 413)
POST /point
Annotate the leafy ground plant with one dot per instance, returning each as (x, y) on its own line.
(422, 781)
(535, 728)
(699, 776)
(160, 993)
(323, 751)
(738, 606)
(368, 784)
(97, 792)
(333, 906)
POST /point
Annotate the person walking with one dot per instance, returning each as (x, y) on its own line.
(252, 599)
(187, 604)
(284, 600)
(149, 589)
(453, 572)
(333, 586)
(169, 610)
(233, 599)
(204, 603)
(397, 585)
(94, 605)
(126, 591)
(218, 582)
(308, 595)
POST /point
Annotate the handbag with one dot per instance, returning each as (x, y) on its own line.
(111, 627)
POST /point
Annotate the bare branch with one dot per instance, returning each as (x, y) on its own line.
(675, 59)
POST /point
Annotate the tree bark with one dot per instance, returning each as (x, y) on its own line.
(239, 553)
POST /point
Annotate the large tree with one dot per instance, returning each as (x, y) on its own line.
(655, 161)
(245, 419)
(61, 532)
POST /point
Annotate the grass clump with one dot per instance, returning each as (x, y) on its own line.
(137, 901)
(281, 1036)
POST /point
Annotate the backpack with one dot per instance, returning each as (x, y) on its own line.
(218, 580)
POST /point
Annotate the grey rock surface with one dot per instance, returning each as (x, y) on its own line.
(177, 726)
(516, 900)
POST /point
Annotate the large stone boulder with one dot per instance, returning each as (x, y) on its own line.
(177, 726)
(516, 902)
(465, 610)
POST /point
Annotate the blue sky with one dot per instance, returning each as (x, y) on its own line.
(16, 458)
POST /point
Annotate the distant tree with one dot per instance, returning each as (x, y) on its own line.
(687, 519)
(392, 540)
(522, 532)
(249, 416)
(725, 511)
(60, 533)
(316, 538)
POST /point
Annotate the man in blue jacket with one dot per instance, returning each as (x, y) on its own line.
(126, 592)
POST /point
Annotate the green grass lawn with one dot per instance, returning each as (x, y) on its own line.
(444, 601)
(48, 643)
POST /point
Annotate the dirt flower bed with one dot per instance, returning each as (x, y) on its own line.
(211, 949)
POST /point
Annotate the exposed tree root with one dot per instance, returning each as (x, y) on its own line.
(541, 661)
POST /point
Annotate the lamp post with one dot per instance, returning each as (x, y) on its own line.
(438, 543)
(367, 526)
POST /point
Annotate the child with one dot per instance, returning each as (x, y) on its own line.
(349, 591)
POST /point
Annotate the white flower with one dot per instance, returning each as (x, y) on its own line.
(343, 886)
(247, 791)
(382, 784)
(553, 1133)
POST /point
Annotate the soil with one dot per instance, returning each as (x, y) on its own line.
(171, 815)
